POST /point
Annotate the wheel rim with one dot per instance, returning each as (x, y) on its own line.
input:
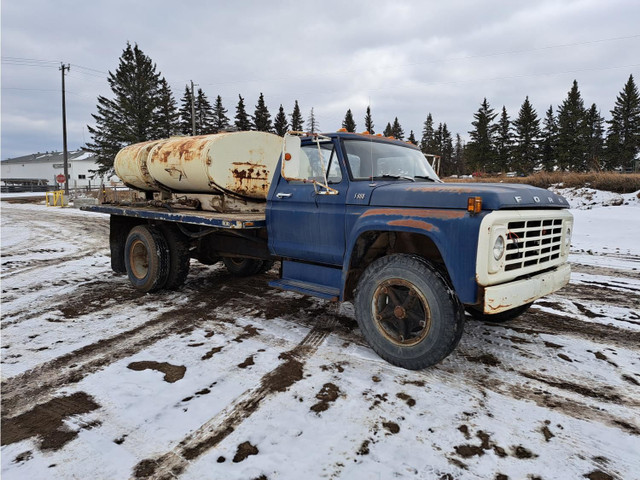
(401, 312)
(237, 261)
(139, 259)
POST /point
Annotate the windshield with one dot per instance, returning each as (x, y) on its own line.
(371, 160)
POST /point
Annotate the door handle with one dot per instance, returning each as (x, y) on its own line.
(283, 195)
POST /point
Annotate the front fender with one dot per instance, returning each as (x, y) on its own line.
(454, 233)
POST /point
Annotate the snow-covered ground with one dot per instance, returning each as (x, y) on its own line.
(229, 379)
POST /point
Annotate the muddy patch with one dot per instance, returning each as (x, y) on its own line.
(211, 353)
(245, 450)
(172, 373)
(391, 427)
(46, 421)
(247, 362)
(327, 395)
(485, 359)
(408, 399)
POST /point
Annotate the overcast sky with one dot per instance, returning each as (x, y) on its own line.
(404, 58)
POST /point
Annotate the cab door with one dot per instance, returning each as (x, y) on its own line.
(304, 221)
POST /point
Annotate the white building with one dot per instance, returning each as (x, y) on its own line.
(43, 168)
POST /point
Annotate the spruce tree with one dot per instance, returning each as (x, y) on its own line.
(396, 130)
(481, 148)
(204, 114)
(168, 116)
(242, 121)
(348, 123)
(549, 141)
(504, 143)
(297, 123)
(594, 125)
(280, 123)
(312, 122)
(262, 117)
(220, 120)
(368, 121)
(623, 137)
(186, 125)
(458, 156)
(526, 151)
(412, 138)
(388, 131)
(572, 148)
(427, 141)
(446, 149)
(131, 116)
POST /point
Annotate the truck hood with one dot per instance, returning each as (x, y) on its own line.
(495, 196)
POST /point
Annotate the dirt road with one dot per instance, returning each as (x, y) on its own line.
(227, 378)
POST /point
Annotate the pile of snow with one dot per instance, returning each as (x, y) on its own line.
(585, 198)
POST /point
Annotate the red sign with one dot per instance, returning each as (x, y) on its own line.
(60, 178)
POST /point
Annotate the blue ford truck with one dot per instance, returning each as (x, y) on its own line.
(350, 217)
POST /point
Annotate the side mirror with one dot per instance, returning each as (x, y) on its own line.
(291, 157)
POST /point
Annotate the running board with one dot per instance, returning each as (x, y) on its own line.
(309, 279)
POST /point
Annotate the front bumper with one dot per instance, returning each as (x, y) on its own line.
(498, 298)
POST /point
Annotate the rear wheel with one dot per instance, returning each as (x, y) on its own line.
(146, 258)
(499, 317)
(179, 256)
(242, 267)
(407, 311)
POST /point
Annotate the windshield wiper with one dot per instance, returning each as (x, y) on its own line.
(425, 177)
(388, 175)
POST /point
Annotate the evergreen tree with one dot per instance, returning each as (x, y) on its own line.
(572, 148)
(396, 130)
(168, 116)
(526, 152)
(368, 121)
(594, 125)
(280, 123)
(504, 143)
(186, 126)
(623, 138)
(427, 141)
(312, 122)
(481, 148)
(549, 141)
(446, 149)
(131, 116)
(348, 122)
(297, 123)
(262, 117)
(412, 138)
(242, 120)
(388, 131)
(204, 114)
(458, 156)
(220, 119)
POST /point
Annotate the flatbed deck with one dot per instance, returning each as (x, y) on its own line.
(194, 217)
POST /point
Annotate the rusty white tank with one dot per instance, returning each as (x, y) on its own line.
(237, 163)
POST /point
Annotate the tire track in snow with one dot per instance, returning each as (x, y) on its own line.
(214, 431)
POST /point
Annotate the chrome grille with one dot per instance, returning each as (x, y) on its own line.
(533, 242)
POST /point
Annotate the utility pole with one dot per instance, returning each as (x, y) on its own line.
(193, 110)
(64, 67)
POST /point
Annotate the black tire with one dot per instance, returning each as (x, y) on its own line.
(206, 259)
(499, 317)
(266, 266)
(146, 258)
(242, 267)
(407, 311)
(179, 256)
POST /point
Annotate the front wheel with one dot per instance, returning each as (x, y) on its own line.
(407, 311)
(146, 258)
(499, 317)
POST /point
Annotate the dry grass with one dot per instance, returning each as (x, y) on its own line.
(611, 182)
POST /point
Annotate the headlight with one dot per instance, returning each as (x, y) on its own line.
(498, 248)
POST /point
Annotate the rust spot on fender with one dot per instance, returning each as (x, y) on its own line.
(410, 223)
(441, 214)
